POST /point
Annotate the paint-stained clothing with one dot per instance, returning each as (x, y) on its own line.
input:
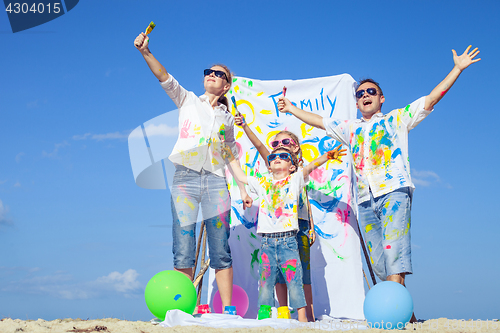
(304, 252)
(278, 204)
(198, 144)
(200, 176)
(386, 222)
(280, 256)
(379, 148)
(190, 190)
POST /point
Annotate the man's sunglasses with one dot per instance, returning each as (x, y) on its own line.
(361, 93)
(219, 74)
(282, 156)
(284, 142)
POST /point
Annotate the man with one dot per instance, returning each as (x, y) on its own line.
(379, 147)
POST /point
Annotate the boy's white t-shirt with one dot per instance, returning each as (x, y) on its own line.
(278, 202)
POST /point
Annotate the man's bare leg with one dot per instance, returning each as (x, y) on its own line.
(309, 301)
(400, 278)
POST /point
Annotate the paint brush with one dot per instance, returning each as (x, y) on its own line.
(236, 112)
(284, 91)
(150, 27)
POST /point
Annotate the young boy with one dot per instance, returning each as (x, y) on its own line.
(278, 222)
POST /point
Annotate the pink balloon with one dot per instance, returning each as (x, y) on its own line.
(240, 300)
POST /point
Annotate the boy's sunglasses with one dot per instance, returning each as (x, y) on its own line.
(284, 142)
(219, 74)
(282, 156)
(361, 93)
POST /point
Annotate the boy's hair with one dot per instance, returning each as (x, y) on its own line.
(295, 161)
(296, 139)
(370, 81)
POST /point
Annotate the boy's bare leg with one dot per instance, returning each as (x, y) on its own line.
(282, 294)
(400, 278)
(302, 314)
(309, 301)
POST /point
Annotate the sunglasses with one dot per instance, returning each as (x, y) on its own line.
(284, 142)
(282, 156)
(219, 74)
(361, 93)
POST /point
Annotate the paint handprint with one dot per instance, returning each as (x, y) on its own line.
(185, 130)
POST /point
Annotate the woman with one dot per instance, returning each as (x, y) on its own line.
(200, 175)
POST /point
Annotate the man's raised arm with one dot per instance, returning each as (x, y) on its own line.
(461, 62)
(313, 119)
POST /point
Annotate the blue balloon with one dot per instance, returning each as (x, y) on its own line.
(388, 305)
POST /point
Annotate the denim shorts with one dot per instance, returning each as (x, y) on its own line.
(304, 253)
(280, 256)
(190, 189)
(385, 222)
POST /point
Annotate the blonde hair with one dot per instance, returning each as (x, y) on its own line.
(229, 76)
(297, 142)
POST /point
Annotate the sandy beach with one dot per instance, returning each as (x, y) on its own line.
(8, 325)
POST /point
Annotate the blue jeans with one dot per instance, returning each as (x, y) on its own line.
(304, 253)
(385, 222)
(280, 256)
(190, 189)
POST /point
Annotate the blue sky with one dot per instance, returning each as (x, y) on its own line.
(78, 238)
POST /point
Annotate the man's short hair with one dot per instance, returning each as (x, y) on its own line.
(370, 81)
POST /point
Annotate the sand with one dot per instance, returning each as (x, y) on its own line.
(8, 325)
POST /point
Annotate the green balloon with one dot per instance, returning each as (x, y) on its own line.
(169, 290)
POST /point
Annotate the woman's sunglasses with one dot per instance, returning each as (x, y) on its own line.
(284, 142)
(361, 93)
(282, 156)
(219, 74)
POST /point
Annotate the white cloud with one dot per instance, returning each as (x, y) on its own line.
(151, 130)
(101, 137)
(111, 136)
(63, 285)
(81, 137)
(426, 178)
(32, 105)
(122, 283)
(161, 130)
(17, 184)
(4, 220)
(54, 152)
(19, 156)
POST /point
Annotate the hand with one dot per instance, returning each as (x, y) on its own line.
(284, 105)
(336, 153)
(141, 42)
(463, 61)
(239, 120)
(247, 201)
(312, 236)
